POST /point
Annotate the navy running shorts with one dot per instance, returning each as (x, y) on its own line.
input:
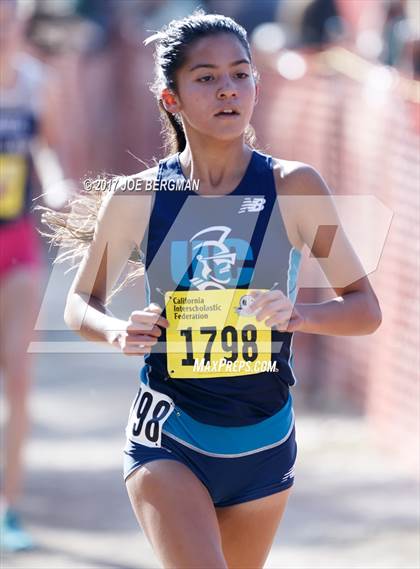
(235, 464)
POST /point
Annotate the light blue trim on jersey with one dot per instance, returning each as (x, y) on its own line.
(230, 442)
(147, 288)
(295, 257)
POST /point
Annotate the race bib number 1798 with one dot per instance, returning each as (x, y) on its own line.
(214, 331)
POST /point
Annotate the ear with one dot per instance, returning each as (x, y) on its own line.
(170, 101)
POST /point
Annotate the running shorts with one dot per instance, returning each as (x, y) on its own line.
(235, 464)
(19, 245)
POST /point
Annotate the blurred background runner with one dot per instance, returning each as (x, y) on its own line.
(23, 146)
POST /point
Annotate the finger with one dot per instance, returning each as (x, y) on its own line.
(259, 296)
(284, 324)
(279, 324)
(272, 308)
(138, 350)
(155, 331)
(269, 309)
(148, 318)
(140, 339)
(155, 309)
(138, 328)
(255, 293)
(163, 322)
(266, 297)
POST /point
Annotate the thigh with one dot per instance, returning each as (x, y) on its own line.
(19, 303)
(177, 515)
(248, 529)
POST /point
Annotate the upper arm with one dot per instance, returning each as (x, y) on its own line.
(121, 223)
(46, 103)
(313, 220)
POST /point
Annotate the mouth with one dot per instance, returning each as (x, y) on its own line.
(227, 113)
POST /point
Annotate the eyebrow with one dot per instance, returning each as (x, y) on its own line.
(211, 66)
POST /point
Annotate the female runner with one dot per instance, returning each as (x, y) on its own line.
(210, 452)
(23, 145)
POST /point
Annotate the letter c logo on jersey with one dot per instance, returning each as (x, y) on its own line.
(211, 260)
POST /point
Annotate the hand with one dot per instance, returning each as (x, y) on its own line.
(142, 331)
(58, 194)
(276, 309)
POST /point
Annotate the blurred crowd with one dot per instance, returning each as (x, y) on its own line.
(386, 30)
(95, 47)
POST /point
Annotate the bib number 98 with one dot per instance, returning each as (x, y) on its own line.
(148, 413)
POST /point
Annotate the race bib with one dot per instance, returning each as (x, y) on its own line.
(213, 333)
(148, 413)
(13, 171)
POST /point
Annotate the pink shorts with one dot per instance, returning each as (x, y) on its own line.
(19, 245)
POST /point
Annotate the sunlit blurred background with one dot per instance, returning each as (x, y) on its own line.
(340, 91)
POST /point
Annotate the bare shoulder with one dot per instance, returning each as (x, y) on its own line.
(298, 178)
(135, 189)
(127, 206)
(135, 183)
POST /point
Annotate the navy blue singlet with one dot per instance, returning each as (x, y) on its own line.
(236, 241)
(20, 107)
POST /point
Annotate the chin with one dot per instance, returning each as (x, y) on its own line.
(227, 135)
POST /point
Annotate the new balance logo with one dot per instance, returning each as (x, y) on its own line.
(289, 474)
(252, 205)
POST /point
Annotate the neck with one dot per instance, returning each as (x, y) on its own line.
(219, 165)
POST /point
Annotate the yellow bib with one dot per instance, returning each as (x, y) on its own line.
(212, 333)
(13, 172)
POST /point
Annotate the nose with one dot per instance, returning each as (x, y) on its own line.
(227, 90)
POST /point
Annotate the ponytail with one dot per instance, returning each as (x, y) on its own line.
(172, 131)
(73, 231)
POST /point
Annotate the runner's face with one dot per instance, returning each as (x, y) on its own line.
(216, 77)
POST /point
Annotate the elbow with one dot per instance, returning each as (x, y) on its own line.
(68, 317)
(374, 319)
(69, 313)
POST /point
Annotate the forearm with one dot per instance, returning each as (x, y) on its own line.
(89, 318)
(350, 315)
(55, 188)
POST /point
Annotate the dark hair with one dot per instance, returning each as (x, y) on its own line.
(172, 44)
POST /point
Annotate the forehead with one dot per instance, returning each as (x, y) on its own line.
(215, 49)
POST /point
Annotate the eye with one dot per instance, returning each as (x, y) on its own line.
(205, 78)
(242, 75)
